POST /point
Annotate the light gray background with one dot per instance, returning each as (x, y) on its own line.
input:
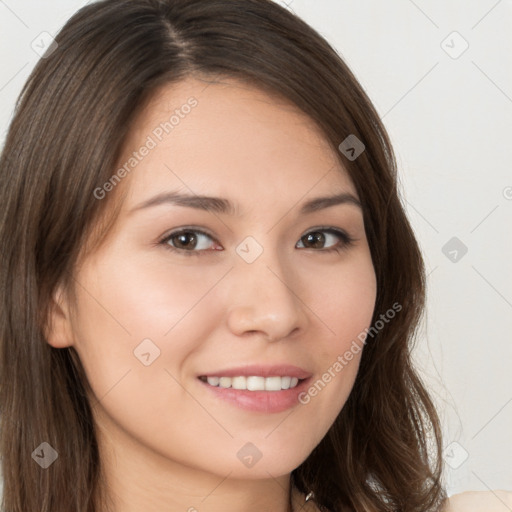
(449, 114)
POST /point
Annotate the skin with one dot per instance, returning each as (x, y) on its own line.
(480, 501)
(166, 442)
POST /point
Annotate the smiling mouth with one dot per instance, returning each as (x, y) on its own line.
(253, 382)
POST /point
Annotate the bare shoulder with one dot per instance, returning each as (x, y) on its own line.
(480, 501)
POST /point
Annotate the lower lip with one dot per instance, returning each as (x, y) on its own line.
(260, 401)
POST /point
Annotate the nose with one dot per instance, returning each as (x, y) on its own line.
(264, 299)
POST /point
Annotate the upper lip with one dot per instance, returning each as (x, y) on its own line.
(277, 370)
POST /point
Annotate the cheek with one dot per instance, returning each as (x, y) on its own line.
(347, 302)
(345, 308)
(130, 309)
(140, 299)
(124, 315)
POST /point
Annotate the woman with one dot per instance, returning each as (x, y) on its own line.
(210, 287)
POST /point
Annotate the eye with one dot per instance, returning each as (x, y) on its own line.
(317, 238)
(191, 241)
(186, 240)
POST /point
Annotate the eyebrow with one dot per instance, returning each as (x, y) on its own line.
(221, 205)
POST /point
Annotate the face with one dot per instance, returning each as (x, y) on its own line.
(262, 287)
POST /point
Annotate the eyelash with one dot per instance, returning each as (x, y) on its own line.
(347, 241)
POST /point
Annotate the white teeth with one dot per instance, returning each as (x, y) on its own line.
(254, 383)
(285, 382)
(225, 382)
(238, 382)
(213, 381)
(272, 383)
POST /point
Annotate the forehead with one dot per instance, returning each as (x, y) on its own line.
(228, 139)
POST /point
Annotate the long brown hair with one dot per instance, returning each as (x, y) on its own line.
(383, 451)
